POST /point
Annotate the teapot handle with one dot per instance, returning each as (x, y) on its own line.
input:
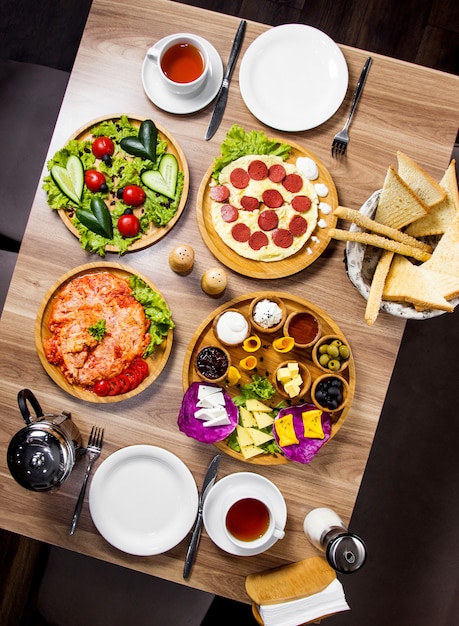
(26, 395)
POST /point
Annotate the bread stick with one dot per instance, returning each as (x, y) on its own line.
(377, 286)
(357, 218)
(371, 239)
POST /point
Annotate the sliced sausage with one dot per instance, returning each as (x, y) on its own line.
(241, 232)
(250, 203)
(282, 238)
(258, 240)
(277, 173)
(298, 225)
(273, 198)
(239, 178)
(293, 183)
(301, 203)
(268, 220)
(219, 193)
(257, 170)
(229, 213)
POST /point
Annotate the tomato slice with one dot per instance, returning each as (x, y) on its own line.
(141, 366)
(133, 376)
(102, 387)
(124, 383)
(114, 386)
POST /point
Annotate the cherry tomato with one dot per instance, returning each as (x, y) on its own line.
(124, 383)
(102, 387)
(133, 195)
(114, 386)
(102, 146)
(94, 180)
(133, 378)
(129, 225)
(141, 366)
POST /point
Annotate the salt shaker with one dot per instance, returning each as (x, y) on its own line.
(345, 551)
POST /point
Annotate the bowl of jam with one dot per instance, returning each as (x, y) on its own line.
(303, 327)
(212, 363)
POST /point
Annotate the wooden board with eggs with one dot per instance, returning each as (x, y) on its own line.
(257, 376)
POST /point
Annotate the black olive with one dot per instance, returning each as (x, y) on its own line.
(119, 193)
(103, 188)
(107, 159)
(128, 211)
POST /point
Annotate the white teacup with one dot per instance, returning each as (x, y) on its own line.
(250, 522)
(183, 63)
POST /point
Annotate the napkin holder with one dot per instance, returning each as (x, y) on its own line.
(289, 582)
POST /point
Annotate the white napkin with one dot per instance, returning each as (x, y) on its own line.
(330, 600)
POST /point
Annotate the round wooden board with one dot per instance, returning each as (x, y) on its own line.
(268, 360)
(156, 362)
(154, 233)
(273, 269)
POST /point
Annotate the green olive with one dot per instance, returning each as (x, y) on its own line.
(323, 348)
(337, 342)
(333, 365)
(324, 359)
(344, 352)
(333, 351)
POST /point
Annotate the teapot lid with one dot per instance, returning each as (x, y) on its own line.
(40, 457)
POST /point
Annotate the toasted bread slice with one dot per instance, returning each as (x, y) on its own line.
(406, 283)
(446, 284)
(398, 204)
(443, 213)
(420, 181)
(445, 257)
(377, 286)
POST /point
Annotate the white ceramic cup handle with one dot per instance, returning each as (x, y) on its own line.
(279, 533)
(153, 53)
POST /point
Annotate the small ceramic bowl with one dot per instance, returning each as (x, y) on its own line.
(268, 308)
(305, 377)
(212, 363)
(337, 362)
(304, 327)
(231, 328)
(324, 397)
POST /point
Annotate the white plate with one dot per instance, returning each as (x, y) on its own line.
(293, 77)
(173, 103)
(143, 500)
(361, 264)
(245, 484)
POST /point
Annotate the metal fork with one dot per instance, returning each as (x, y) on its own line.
(94, 448)
(341, 139)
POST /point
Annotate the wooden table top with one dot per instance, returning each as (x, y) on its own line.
(404, 107)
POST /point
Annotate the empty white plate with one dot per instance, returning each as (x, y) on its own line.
(143, 500)
(293, 77)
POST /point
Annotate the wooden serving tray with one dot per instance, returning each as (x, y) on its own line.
(156, 362)
(154, 233)
(273, 269)
(268, 360)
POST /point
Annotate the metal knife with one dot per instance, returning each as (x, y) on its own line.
(222, 95)
(209, 481)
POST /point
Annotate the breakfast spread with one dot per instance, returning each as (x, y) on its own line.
(264, 202)
(103, 331)
(119, 184)
(263, 376)
(413, 236)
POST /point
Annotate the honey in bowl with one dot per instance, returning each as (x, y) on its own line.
(247, 519)
(182, 63)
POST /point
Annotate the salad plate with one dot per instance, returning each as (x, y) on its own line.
(143, 500)
(181, 105)
(293, 77)
(311, 250)
(244, 484)
(156, 361)
(162, 220)
(268, 359)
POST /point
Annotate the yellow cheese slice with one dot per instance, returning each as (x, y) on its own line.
(285, 431)
(313, 424)
(255, 405)
(243, 437)
(247, 417)
(263, 419)
(249, 451)
(258, 436)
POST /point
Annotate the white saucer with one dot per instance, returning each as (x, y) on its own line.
(173, 103)
(245, 484)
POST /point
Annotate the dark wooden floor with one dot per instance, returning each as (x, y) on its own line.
(419, 31)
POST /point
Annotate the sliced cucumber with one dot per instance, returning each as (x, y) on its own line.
(70, 179)
(164, 180)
